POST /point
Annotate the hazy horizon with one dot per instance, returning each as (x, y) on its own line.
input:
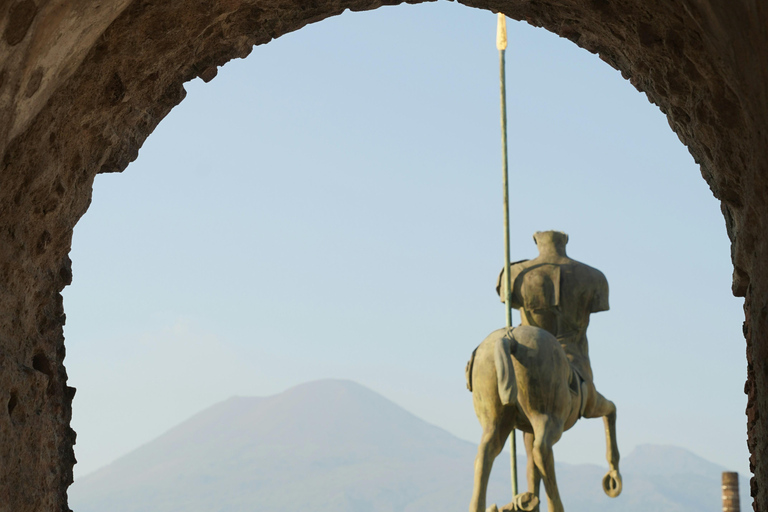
(520, 454)
(334, 445)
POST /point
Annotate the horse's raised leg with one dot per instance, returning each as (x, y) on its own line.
(534, 477)
(546, 432)
(602, 407)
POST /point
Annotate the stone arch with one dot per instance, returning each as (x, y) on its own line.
(82, 84)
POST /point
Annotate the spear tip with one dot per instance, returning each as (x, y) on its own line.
(501, 32)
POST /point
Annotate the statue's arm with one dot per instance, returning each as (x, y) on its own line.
(600, 294)
(514, 271)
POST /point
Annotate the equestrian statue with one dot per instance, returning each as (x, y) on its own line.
(536, 377)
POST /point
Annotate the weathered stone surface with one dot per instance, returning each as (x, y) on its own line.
(83, 83)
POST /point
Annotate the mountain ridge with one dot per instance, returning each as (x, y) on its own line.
(336, 445)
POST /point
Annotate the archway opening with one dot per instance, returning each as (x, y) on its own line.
(430, 252)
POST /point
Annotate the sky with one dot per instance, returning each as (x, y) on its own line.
(330, 207)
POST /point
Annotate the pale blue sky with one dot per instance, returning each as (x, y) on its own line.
(331, 207)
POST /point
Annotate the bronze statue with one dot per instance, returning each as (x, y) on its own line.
(537, 377)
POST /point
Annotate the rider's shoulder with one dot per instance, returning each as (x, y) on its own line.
(588, 270)
(514, 268)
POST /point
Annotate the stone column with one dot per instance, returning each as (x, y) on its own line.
(731, 492)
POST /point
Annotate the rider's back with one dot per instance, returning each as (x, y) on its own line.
(558, 293)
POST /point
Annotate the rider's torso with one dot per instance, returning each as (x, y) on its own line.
(559, 296)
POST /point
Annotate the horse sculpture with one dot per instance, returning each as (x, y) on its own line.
(521, 378)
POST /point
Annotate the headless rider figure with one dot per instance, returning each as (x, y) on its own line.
(557, 293)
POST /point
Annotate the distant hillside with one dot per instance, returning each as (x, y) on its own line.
(336, 446)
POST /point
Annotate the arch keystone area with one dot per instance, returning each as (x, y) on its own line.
(83, 83)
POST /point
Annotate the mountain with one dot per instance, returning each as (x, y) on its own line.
(337, 446)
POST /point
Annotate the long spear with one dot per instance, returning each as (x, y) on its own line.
(501, 44)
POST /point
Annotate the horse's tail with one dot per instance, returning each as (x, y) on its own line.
(505, 373)
(468, 369)
(502, 348)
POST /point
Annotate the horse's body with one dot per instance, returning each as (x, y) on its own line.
(530, 391)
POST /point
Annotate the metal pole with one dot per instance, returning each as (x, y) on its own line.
(501, 44)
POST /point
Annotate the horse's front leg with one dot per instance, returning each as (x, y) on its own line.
(612, 480)
(534, 477)
(606, 409)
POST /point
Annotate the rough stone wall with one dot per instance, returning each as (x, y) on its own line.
(84, 82)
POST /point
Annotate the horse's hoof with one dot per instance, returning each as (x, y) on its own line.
(612, 483)
(527, 501)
